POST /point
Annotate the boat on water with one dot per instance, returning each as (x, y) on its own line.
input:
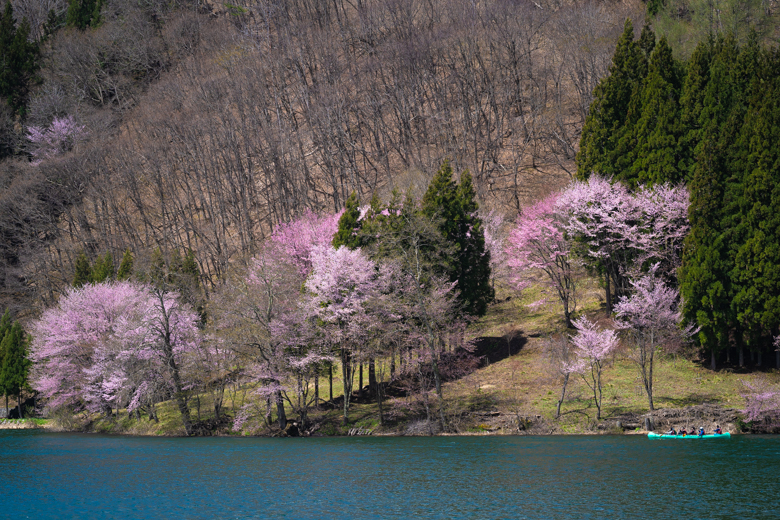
(724, 435)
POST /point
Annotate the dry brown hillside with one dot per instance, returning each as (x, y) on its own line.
(209, 124)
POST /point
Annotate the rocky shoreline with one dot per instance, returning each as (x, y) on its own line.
(18, 424)
(707, 416)
(486, 422)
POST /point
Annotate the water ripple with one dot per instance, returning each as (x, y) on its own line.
(62, 476)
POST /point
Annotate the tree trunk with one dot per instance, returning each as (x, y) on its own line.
(392, 364)
(439, 394)
(378, 393)
(372, 376)
(424, 390)
(19, 403)
(650, 377)
(741, 357)
(360, 382)
(330, 381)
(608, 292)
(181, 402)
(317, 390)
(758, 358)
(713, 367)
(563, 394)
(777, 358)
(280, 410)
(173, 369)
(347, 378)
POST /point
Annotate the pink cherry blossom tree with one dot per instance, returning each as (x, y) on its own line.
(602, 218)
(112, 344)
(244, 309)
(624, 233)
(650, 318)
(762, 399)
(423, 320)
(341, 284)
(65, 339)
(538, 243)
(562, 357)
(593, 346)
(60, 137)
(411, 246)
(168, 330)
(300, 352)
(300, 237)
(664, 226)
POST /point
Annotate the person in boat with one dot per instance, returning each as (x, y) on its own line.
(701, 431)
(671, 432)
(717, 430)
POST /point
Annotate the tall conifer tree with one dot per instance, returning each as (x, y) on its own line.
(83, 271)
(692, 97)
(125, 270)
(757, 260)
(103, 269)
(705, 276)
(19, 59)
(84, 13)
(610, 110)
(5, 326)
(16, 367)
(347, 234)
(658, 131)
(456, 207)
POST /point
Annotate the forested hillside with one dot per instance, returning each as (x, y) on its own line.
(297, 189)
(186, 126)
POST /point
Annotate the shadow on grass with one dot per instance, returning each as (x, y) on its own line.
(495, 348)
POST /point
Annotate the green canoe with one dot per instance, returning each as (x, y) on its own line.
(724, 435)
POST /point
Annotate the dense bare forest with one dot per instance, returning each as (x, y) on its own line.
(203, 126)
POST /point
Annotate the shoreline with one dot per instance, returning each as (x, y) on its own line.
(660, 420)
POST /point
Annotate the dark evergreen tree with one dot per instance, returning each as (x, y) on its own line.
(647, 41)
(18, 61)
(125, 270)
(347, 233)
(5, 326)
(658, 130)
(756, 272)
(692, 96)
(53, 23)
(16, 367)
(705, 282)
(84, 13)
(605, 126)
(179, 274)
(103, 269)
(83, 271)
(456, 207)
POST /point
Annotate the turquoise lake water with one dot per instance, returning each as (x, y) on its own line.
(59, 476)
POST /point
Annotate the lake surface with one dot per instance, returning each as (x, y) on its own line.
(57, 476)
